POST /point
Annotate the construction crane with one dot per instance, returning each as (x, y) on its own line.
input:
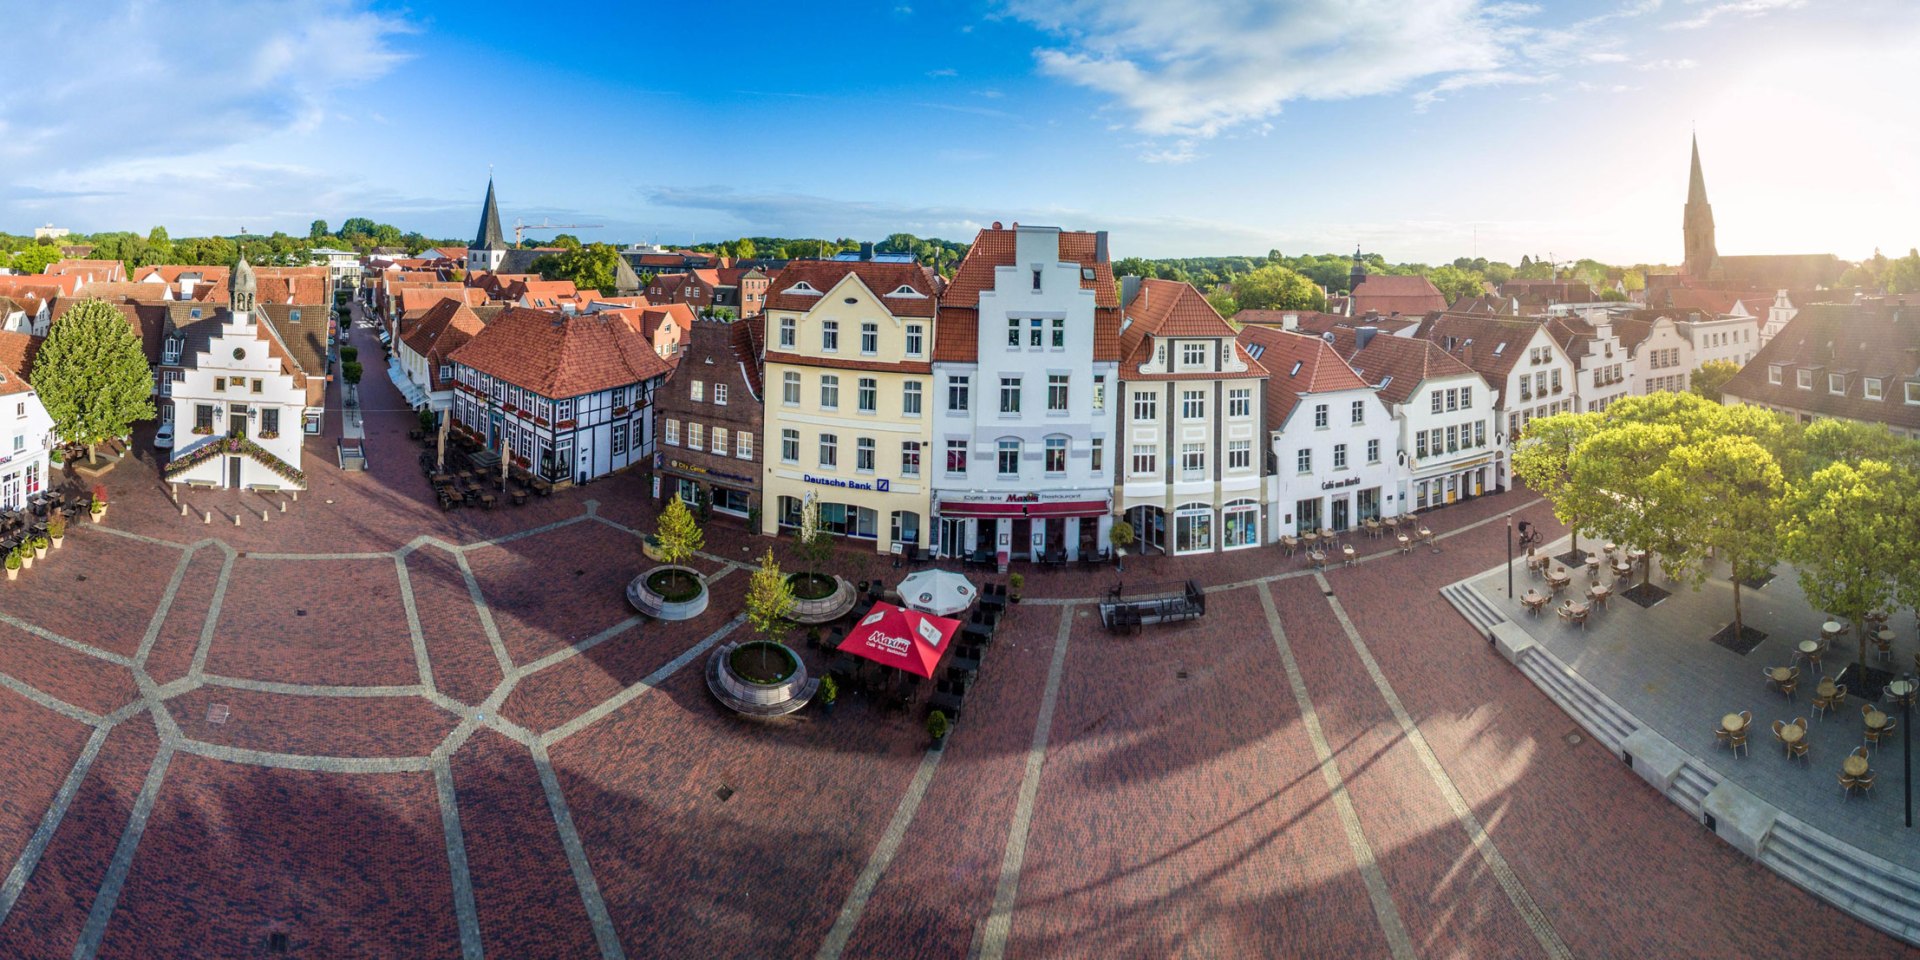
(521, 227)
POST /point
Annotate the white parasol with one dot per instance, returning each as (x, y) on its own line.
(939, 592)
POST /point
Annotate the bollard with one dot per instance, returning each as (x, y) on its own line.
(236, 519)
(209, 518)
(183, 509)
(283, 506)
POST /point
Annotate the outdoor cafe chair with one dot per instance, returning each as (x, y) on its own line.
(1822, 704)
(1737, 741)
(1883, 646)
(1801, 747)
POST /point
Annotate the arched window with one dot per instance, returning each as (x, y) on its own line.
(1239, 525)
(1193, 528)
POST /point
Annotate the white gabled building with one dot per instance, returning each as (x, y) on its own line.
(1332, 441)
(1530, 375)
(26, 431)
(1603, 369)
(1443, 412)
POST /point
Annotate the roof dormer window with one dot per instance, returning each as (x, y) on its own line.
(1871, 389)
(803, 287)
(1804, 379)
(1773, 374)
(1837, 384)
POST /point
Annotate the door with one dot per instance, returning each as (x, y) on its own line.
(10, 492)
(1056, 533)
(233, 473)
(952, 537)
(1022, 538)
(1340, 521)
(237, 425)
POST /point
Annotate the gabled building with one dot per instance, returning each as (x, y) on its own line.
(714, 396)
(1847, 361)
(26, 431)
(1662, 356)
(424, 352)
(1393, 296)
(1442, 411)
(1028, 350)
(1529, 373)
(569, 398)
(1330, 440)
(1603, 370)
(1189, 402)
(243, 385)
(848, 369)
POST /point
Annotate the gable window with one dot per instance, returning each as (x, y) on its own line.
(1056, 460)
(1193, 354)
(719, 394)
(957, 457)
(1057, 392)
(790, 389)
(698, 391)
(916, 339)
(172, 352)
(1146, 406)
(869, 339)
(1009, 458)
(1320, 416)
(219, 384)
(910, 398)
(957, 393)
(830, 336)
(1453, 400)
(259, 386)
(869, 395)
(787, 336)
(1359, 411)
(829, 392)
(1009, 394)
(1804, 379)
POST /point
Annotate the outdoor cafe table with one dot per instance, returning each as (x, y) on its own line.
(1780, 674)
(1599, 593)
(1732, 723)
(1875, 719)
(1319, 559)
(1900, 690)
(1809, 647)
(1558, 578)
(1831, 628)
(1792, 733)
(1854, 766)
(1310, 537)
(1825, 688)
(1533, 601)
(1578, 609)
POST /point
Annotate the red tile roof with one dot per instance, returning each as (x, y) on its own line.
(16, 361)
(957, 335)
(1478, 342)
(1297, 365)
(446, 327)
(1402, 363)
(558, 356)
(881, 278)
(1389, 295)
(1167, 309)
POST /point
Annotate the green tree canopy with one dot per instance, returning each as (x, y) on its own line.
(593, 267)
(1277, 288)
(1851, 529)
(317, 231)
(1731, 493)
(679, 534)
(35, 258)
(1711, 377)
(769, 599)
(92, 375)
(1455, 283)
(1543, 460)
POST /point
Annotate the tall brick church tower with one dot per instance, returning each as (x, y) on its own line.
(1698, 224)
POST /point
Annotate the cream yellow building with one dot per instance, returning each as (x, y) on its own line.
(849, 400)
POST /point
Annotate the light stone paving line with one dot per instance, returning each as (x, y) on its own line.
(999, 925)
(166, 605)
(575, 649)
(301, 761)
(485, 610)
(529, 532)
(464, 909)
(1384, 910)
(156, 541)
(883, 854)
(381, 555)
(302, 689)
(414, 633)
(108, 896)
(648, 683)
(1483, 844)
(16, 882)
(603, 932)
(200, 651)
(48, 700)
(75, 645)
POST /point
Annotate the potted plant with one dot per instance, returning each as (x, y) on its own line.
(57, 530)
(1015, 583)
(99, 507)
(25, 553)
(13, 564)
(937, 728)
(828, 695)
(1121, 536)
(40, 546)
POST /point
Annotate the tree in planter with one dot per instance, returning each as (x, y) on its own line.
(1733, 494)
(814, 544)
(1614, 470)
(938, 725)
(1849, 532)
(92, 376)
(351, 371)
(349, 354)
(1543, 460)
(678, 536)
(769, 603)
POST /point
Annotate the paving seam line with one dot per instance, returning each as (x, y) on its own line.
(883, 854)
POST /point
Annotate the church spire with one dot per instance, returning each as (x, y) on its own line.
(242, 288)
(489, 237)
(1697, 182)
(1697, 223)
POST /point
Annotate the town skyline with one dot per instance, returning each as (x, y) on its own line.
(1196, 143)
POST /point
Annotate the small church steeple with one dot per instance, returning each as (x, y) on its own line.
(489, 243)
(242, 288)
(1697, 222)
(1359, 270)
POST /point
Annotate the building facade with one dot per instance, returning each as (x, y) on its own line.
(712, 421)
(848, 371)
(26, 431)
(1443, 414)
(1332, 443)
(1528, 372)
(1847, 361)
(1027, 356)
(1189, 404)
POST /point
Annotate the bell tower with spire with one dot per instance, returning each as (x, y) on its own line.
(489, 245)
(1698, 223)
(242, 289)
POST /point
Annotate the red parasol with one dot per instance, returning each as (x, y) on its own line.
(898, 637)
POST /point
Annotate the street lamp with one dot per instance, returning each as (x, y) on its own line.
(1903, 693)
(1529, 535)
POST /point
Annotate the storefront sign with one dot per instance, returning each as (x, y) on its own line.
(1352, 481)
(1043, 496)
(686, 467)
(877, 486)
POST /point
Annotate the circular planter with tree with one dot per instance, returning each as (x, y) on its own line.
(762, 677)
(671, 591)
(817, 597)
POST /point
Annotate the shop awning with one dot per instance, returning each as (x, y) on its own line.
(1062, 508)
(901, 638)
(397, 372)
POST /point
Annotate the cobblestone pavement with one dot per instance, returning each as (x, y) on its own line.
(376, 730)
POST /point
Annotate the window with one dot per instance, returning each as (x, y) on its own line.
(672, 437)
(869, 395)
(1303, 460)
(1056, 462)
(910, 398)
(916, 339)
(1009, 394)
(1059, 332)
(1239, 402)
(697, 391)
(910, 458)
(1057, 392)
(1036, 279)
(1837, 384)
(830, 336)
(1453, 400)
(1339, 456)
(787, 337)
(1099, 392)
(1009, 458)
(829, 450)
(1556, 380)
(1480, 434)
(1466, 395)
(1373, 451)
(1870, 388)
(1193, 528)
(1193, 354)
(720, 394)
(270, 420)
(259, 385)
(957, 393)
(220, 384)
(957, 457)
(1146, 406)
(1420, 444)
(172, 351)
(829, 392)
(1773, 373)
(863, 454)
(743, 444)
(1036, 334)
(790, 389)
(1193, 405)
(1804, 379)
(1453, 439)
(1359, 411)
(1913, 392)
(869, 338)
(1320, 416)
(1240, 524)
(1013, 332)
(1146, 458)
(1097, 460)
(1438, 399)
(719, 438)
(1239, 454)
(1193, 460)
(694, 436)
(790, 446)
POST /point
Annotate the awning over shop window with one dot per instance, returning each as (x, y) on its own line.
(1066, 508)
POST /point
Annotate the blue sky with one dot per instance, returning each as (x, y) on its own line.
(1421, 130)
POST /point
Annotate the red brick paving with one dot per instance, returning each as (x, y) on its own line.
(556, 588)
(333, 622)
(464, 666)
(528, 903)
(172, 654)
(314, 726)
(65, 673)
(345, 865)
(97, 588)
(41, 750)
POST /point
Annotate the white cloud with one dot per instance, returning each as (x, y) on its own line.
(1750, 8)
(943, 72)
(1604, 56)
(1684, 63)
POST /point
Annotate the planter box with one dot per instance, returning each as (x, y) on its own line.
(658, 607)
(826, 609)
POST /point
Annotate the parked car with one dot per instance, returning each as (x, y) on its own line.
(163, 437)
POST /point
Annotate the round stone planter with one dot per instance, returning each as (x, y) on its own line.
(827, 609)
(744, 696)
(646, 600)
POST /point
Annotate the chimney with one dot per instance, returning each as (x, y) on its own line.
(1290, 322)
(1363, 336)
(1466, 353)
(996, 225)
(1100, 246)
(866, 250)
(1129, 288)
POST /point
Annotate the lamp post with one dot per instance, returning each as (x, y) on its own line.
(1903, 691)
(1509, 556)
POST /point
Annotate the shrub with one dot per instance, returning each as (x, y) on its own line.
(829, 690)
(351, 370)
(1016, 582)
(349, 354)
(1121, 534)
(937, 725)
(57, 527)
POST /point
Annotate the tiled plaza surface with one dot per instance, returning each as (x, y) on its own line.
(468, 746)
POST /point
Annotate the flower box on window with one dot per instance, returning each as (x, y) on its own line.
(269, 434)
(619, 411)
(565, 425)
(520, 461)
(203, 431)
(540, 421)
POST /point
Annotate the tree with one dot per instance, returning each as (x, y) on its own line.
(1711, 377)
(744, 249)
(35, 258)
(1634, 280)
(1223, 302)
(1732, 493)
(158, 237)
(92, 375)
(769, 599)
(593, 267)
(1847, 539)
(357, 227)
(815, 544)
(1543, 460)
(566, 240)
(1277, 288)
(1613, 469)
(1455, 283)
(1829, 441)
(317, 231)
(678, 536)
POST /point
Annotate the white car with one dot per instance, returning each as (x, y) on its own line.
(163, 437)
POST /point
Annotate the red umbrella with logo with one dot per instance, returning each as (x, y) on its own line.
(904, 639)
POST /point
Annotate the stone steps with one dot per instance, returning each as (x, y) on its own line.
(1600, 716)
(1691, 786)
(1880, 893)
(1478, 610)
